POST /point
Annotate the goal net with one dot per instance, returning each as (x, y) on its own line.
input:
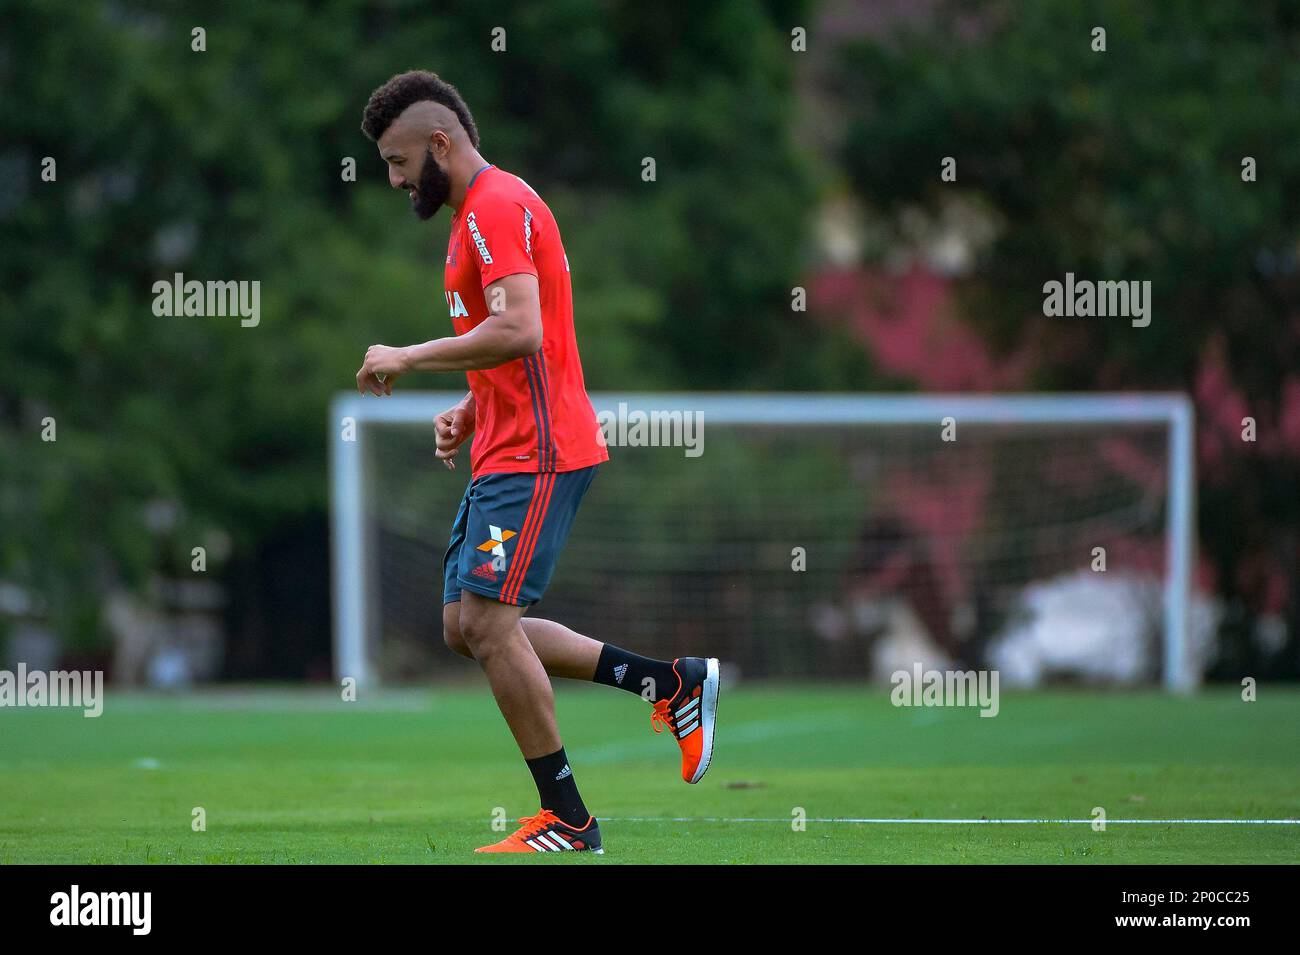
(805, 536)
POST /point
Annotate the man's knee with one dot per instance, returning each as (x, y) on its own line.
(451, 634)
(484, 624)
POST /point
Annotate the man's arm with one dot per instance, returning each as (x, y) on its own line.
(513, 330)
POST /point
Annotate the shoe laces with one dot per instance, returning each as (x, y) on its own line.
(662, 716)
(532, 825)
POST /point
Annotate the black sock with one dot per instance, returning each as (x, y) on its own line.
(556, 788)
(625, 670)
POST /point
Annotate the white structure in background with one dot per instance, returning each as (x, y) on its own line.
(1098, 628)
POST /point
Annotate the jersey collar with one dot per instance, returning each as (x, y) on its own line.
(474, 178)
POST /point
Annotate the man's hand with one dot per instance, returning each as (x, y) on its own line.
(453, 426)
(383, 366)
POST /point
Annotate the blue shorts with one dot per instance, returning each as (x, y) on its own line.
(509, 532)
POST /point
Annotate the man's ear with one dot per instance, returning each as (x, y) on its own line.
(440, 143)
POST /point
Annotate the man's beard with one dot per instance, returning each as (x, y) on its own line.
(433, 188)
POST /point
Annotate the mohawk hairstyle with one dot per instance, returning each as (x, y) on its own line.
(390, 100)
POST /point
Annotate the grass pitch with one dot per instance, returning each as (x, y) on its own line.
(294, 776)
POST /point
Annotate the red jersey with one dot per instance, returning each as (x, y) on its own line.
(533, 413)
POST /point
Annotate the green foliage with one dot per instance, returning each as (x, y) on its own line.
(1121, 165)
(225, 165)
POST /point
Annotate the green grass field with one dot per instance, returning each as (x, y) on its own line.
(414, 776)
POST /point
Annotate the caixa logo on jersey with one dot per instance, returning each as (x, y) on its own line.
(479, 244)
(455, 307)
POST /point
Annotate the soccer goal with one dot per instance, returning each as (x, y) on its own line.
(802, 536)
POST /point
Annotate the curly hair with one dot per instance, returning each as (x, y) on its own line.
(390, 100)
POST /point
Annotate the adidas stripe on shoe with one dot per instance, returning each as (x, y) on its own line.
(545, 832)
(691, 713)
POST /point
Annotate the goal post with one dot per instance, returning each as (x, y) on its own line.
(1048, 471)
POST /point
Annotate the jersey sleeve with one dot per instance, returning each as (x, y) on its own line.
(500, 232)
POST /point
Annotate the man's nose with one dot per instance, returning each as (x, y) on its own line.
(395, 178)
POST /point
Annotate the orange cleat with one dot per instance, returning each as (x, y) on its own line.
(690, 713)
(544, 832)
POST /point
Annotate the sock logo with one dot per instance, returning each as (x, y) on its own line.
(620, 671)
(565, 773)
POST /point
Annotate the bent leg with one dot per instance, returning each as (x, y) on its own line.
(451, 630)
(563, 652)
(492, 633)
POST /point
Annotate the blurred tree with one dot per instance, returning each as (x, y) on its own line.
(1124, 165)
(225, 164)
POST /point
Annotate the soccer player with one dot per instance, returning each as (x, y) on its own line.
(536, 449)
